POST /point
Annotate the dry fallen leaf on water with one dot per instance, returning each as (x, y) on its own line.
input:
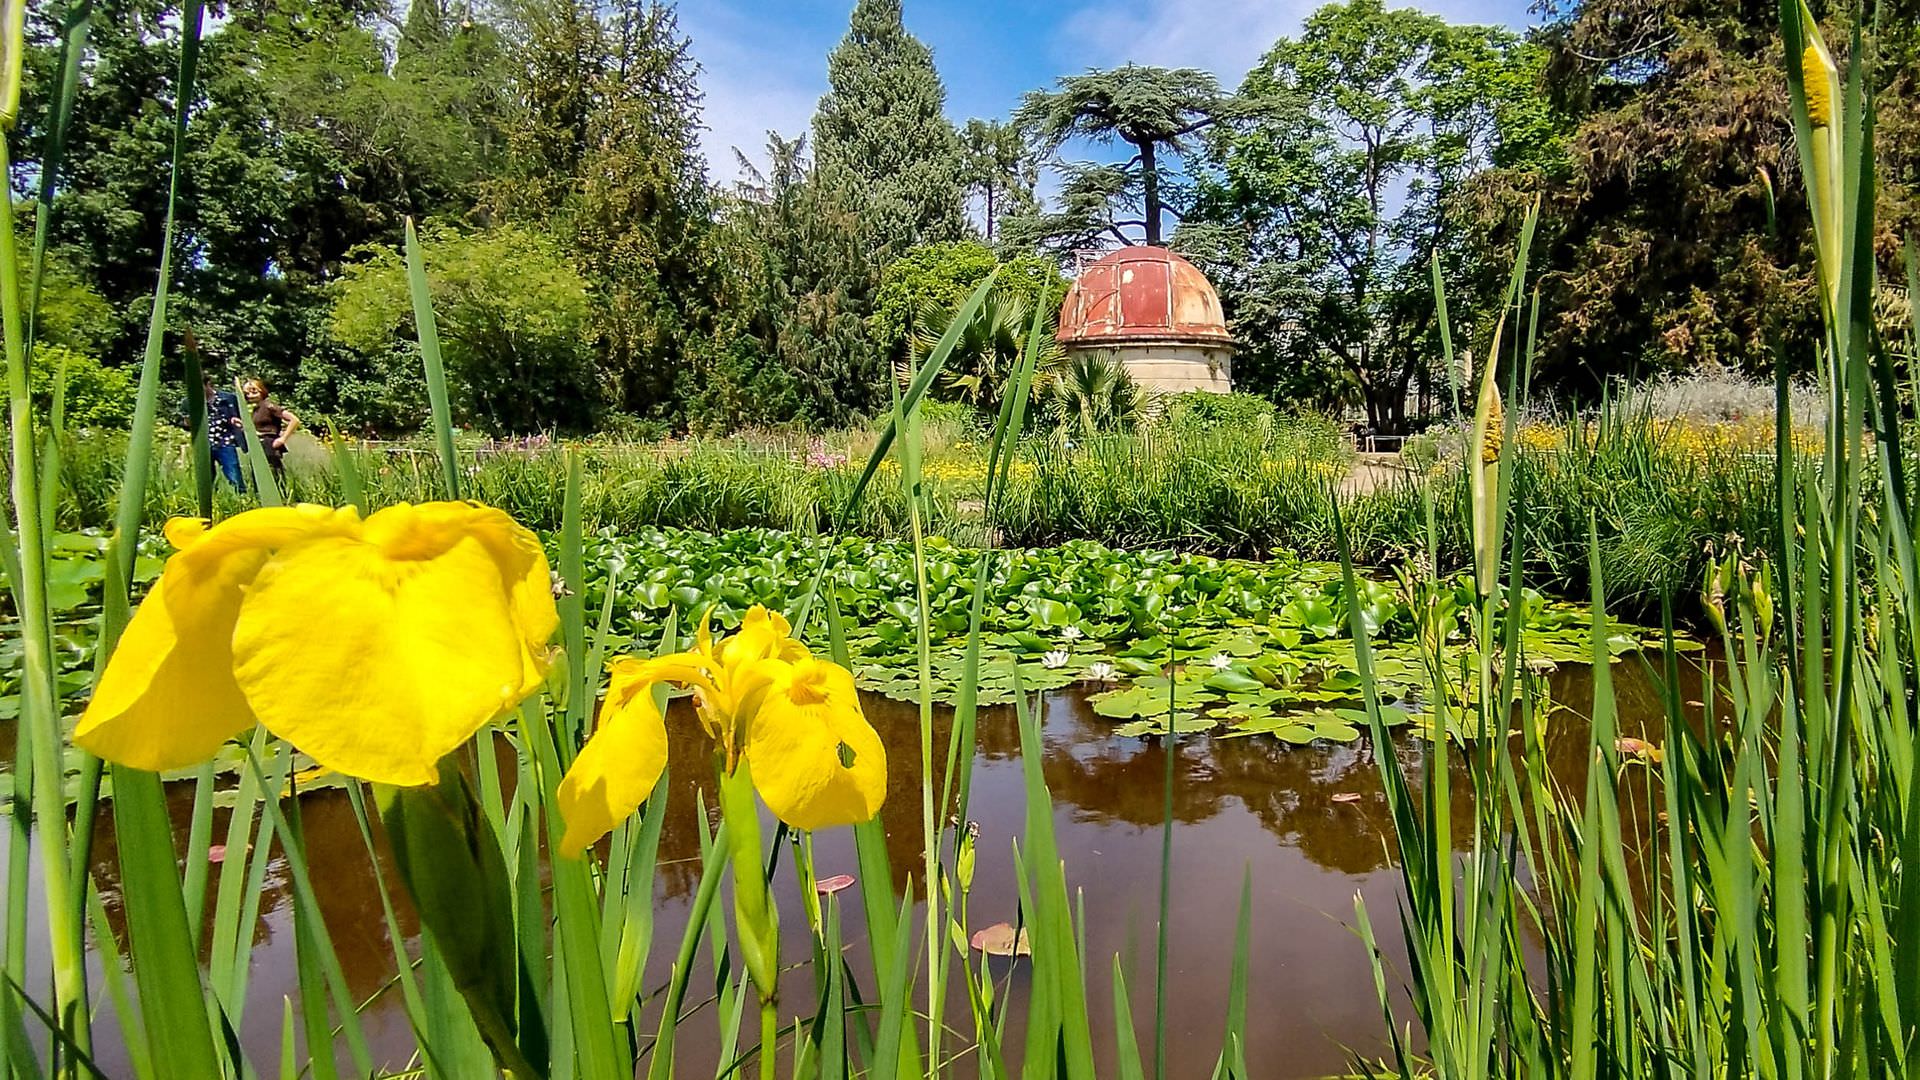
(827, 886)
(1639, 748)
(999, 940)
(1347, 797)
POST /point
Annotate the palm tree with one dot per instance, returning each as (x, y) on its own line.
(1092, 390)
(989, 348)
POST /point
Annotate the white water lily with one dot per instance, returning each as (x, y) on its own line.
(1071, 633)
(1100, 670)
(1055, 659)
(1221, 661)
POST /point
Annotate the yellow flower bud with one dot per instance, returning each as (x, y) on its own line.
(1814, 73)
(13, 49)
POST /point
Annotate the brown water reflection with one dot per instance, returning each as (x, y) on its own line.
(1242, 805)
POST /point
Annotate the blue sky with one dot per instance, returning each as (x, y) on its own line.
(764, 65)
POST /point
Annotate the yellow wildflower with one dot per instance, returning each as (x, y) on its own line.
(376, 646)
(792, 720)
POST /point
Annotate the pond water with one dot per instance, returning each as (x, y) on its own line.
(1247, 805)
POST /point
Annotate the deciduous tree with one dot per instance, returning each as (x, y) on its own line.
(1320, 217)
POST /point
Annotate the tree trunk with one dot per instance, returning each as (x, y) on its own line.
(1150, 190)
(989, 213)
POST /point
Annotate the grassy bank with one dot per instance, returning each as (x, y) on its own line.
(1663, 490)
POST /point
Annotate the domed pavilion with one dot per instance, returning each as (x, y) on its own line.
(1156, 314)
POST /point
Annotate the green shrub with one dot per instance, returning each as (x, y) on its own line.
(97, 396)
(513, 318)
(1203, 409)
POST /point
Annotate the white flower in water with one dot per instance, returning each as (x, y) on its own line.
(1055, 659)
(1221, 661)
(1100, 670)
(1071, 633)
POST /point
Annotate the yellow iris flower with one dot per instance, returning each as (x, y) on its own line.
(792, 720)
(375, 645)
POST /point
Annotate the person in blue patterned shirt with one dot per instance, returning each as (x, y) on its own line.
(223, 433)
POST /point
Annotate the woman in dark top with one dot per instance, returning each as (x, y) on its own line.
(272, 423)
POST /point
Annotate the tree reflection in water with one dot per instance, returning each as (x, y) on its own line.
(1249, 804)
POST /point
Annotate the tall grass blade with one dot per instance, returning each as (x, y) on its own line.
(909, 399)
(165, 969)
(201, 445)
(429, 333)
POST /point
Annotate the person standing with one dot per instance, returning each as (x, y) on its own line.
(223, 433)
(272, 424)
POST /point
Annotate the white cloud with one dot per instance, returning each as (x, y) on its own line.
(739, 113)
(1221, 36)
(1225, 37)
(750, 86)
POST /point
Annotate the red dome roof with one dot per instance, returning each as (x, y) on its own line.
(1142, 293)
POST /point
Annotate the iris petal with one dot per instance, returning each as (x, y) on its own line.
(816, 761)
(168, 698)
(375, 665)
(515, 551)
(615, 772)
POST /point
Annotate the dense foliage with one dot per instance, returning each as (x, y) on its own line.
(560, 138)
(1321, 214)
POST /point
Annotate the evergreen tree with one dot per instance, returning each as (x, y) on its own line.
(644, 221)
(1156, 111)
(606, 155)
(998, 167)
(797, 281)
(881, 133)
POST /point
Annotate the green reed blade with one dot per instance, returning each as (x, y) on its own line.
(285, 826)
(896, 990)
(199, 833)
(353, 490)
(876, 869)
(1236, 1033)
(410, 999)
(634, 904)
(39, 695)
(428, 331)
(712, 866)
(573, 617)
(140, 439)
(1126, 1047)
(910, 399)
(577, 928)
(165, 969)
(449, 1038)
(535, 1020)
(289, 1060)
(1160, 980)
(1446, 332)
(237, 906)
(19, 844)
(1057, 1021)
(200, 446)
(832, 1029)
(75, 23)
(312, 983)
(67, 1056)
(113, 974)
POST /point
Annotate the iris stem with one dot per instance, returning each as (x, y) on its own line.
(38, 709)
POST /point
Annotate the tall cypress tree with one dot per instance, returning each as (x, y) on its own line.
(882, 133)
